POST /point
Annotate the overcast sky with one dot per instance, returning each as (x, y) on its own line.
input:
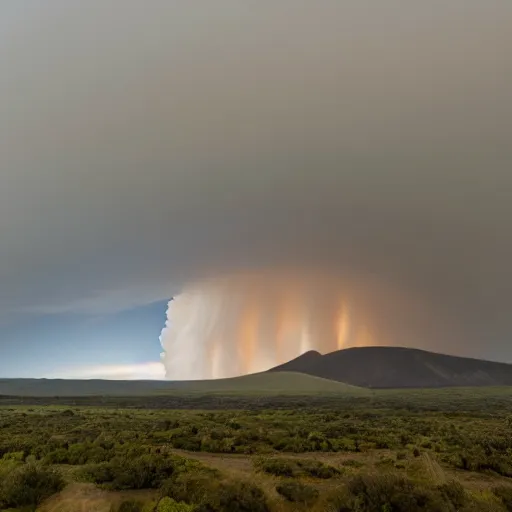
(145, 144)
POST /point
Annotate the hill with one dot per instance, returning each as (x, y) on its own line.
(291, 383)
(280, 383)
(397, 367)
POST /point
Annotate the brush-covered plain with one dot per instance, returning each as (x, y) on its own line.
(391, 451)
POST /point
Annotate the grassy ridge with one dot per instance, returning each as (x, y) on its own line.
(282, 383)
(285, 383)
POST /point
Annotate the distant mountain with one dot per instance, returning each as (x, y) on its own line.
(343, 372)
(397, 367)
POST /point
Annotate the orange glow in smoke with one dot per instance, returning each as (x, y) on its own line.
(342, 328)
(363, 337)
(248, 323)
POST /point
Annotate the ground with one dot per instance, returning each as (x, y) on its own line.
(84, 497)
(430, 437)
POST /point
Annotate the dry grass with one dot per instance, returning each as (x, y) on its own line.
(81, 497)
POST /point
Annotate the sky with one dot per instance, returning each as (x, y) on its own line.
(144, 146)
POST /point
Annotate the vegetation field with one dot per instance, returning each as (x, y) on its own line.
(387, 451)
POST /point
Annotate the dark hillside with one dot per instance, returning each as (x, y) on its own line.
(396, 367)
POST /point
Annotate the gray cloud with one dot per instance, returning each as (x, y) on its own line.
(142, 146)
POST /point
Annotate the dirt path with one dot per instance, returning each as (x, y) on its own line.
(231, 463)
(435, 471)
(82, 497)
(243, 463)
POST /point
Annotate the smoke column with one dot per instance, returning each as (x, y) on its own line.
(247, 323)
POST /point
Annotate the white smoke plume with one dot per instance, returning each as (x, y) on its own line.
(247, 323)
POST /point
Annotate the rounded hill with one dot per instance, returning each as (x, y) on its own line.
(400, 367)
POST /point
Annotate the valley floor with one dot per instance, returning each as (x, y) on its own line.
(436, 451)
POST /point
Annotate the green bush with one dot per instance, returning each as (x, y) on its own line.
(391, 493)
(352, 463)
(237, 496)
(295, 467)
(317, 469)
(145, 472)
(277, 467)
(129, 506)
(505, 496)
(79, 453)
(385, 462)
(478, 460)
(212, 493)
(169, 505)
(14, 457)
(297, 492)
(29, 485)
(454, 493)
(149, 506)
(189, 486)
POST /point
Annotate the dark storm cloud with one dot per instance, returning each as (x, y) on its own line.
(144, 145)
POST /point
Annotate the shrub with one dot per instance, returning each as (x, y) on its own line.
(479, 461)
(97, 473)
(79, 453)
(169, 505)
(214, 494)
(505, 495)
(189, 486)
(390, 493)
(352, 463)
(277, 467)
(297, 492)
(317, 469)
(296, 467)
(238, 496)
(14, 456)
(385, 461)
(454, 493)
(29, 485)
(145, 472)
(318, 442)
(129, 506)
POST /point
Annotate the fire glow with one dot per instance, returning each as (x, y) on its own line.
(247, 323)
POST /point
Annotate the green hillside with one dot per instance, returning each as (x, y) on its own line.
(286, 383)
(279, 383)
